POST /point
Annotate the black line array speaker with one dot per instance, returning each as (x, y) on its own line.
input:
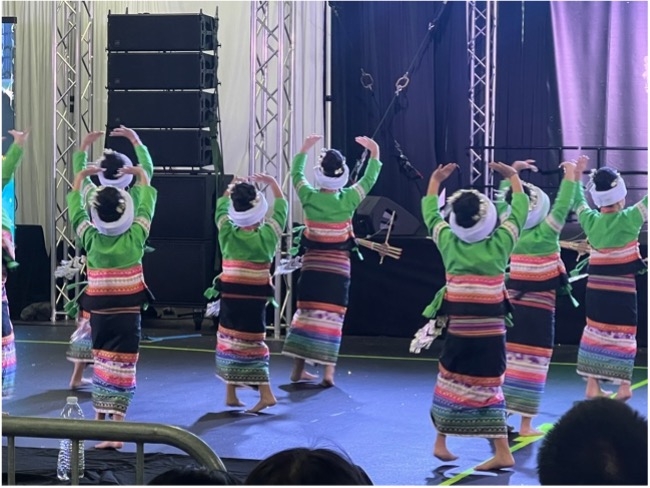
(178, 272)
(183, 234)
(185, 207)
(161, 71)
(160, 109)
(191, 147)
(373, 216)
(161, 32)
(160, 77)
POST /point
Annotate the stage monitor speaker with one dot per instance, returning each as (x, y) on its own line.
(178, 272)
(185, 206)
(161, 71)
(160, 109)
(161, 32)
(30, 281)
(373, 215)
(175, 147)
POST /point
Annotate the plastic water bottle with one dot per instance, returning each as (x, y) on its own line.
(72, 410)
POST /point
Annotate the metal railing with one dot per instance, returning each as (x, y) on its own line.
(77, 430)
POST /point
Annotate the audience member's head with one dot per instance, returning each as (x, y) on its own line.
(193, 475)
(301, 466)
(597, 442)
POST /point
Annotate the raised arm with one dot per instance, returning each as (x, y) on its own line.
(300, 183)
(432, 219)
(581, 207)
(563, 203)
(145, 195)
(14, 156)
(369, 178)
(77, 209)
(272, 231)
(141, 151)
(80, 162)
(508, 232)
(519, 166)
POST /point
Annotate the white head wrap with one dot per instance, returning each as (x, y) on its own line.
(251, 216)
(330, 182)
(486, 219)
(121, 181)
(121, 225)
(615, 194)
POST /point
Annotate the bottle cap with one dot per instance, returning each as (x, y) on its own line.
(71, 399)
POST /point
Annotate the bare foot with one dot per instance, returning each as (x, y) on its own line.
(624, 393)
(440, 449)
(598, 393)
(529, 432)
(444, 454)
(304, 376)
(262, 404)
(109, 445)
(594, 390)
(497, 462)
(81, 384)
(327, 382)
(235, 402)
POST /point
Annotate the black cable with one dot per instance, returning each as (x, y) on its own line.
(401, 83)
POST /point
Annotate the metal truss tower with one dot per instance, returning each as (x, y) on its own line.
(481, 20)
(72, 55)
(271, 117)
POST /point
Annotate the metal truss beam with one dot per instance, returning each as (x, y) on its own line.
(72, 55)
(482, 55)
(271, 127)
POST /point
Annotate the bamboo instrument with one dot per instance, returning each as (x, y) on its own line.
(383, 248)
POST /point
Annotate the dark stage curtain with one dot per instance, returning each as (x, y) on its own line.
(430, 119)
(527, 101)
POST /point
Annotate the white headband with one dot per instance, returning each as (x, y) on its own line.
(121, 225)
(251, 216)
(615, 194)
(121, 181)
(485, 223)
(539, 207)
(330, 182)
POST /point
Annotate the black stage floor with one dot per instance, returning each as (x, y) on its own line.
(377, 413)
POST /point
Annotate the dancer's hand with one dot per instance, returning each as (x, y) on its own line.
(370, 145)
(140, 174)
(19, 136)
(268, 180)
(235, 181)
(310, 142)
(581, 165)
(440, 174)
(85, 173)
(569, 168)
(503, 169)
(90, 139)
(262, 178)
(130, 134)
(443, 172)
(519, 166)
(91, 170)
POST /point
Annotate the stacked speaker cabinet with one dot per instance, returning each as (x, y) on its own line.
(162, 82)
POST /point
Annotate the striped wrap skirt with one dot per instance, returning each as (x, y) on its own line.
(242, 356)
(80, 349)
(608, 343)
(529, 347)
(116, 342)
(8, 351)
(467, 399)
(323, 287)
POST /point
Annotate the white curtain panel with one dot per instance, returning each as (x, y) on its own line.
(34, 87)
